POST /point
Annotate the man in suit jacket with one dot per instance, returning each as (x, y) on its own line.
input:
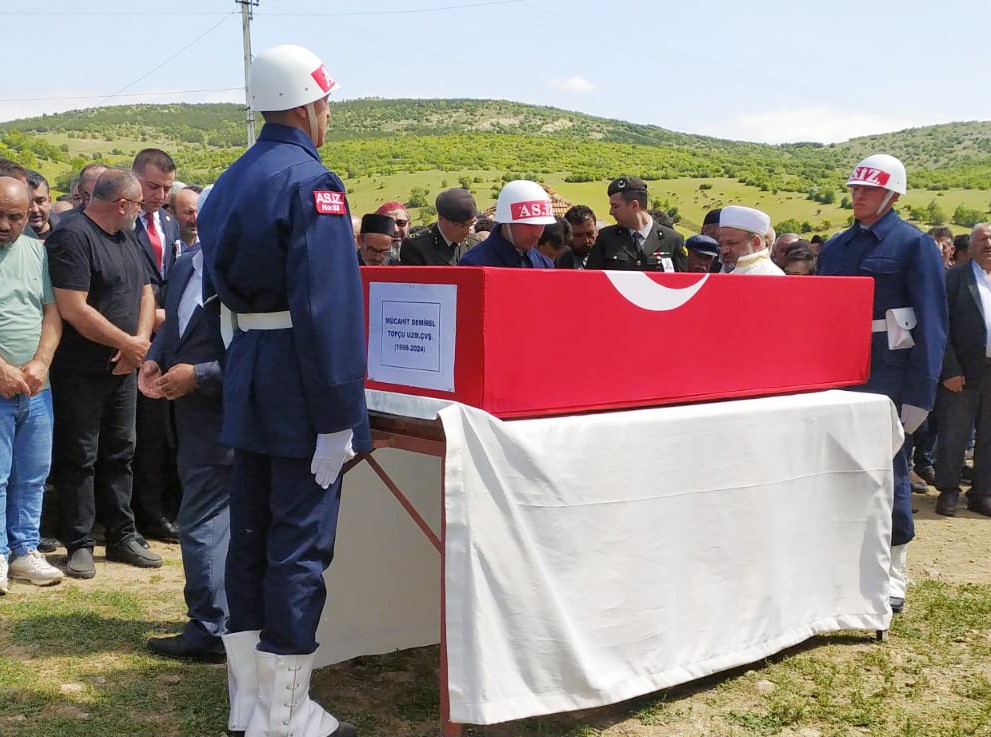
(636, 242)
(183, 365)
(158, 233)
(964, 396)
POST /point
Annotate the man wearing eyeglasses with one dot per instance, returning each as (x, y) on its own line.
(103, 291)
(443, 243)
(396, 211)
(375, 239)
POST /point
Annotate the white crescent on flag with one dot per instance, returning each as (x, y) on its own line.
(642, 291)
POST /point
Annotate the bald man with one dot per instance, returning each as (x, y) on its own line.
(29, 334)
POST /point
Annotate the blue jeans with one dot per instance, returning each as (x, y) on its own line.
(25, 459)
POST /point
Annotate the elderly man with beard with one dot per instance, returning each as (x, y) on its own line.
(743, 242)
(102, 290)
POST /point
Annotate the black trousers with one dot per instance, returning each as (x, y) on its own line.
(958, 412)
(93, 448)
(154, 466)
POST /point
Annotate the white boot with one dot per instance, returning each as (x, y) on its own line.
(242, 677)
(284, 707)
(898, 576)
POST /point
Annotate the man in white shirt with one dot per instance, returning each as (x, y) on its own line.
(963, 398)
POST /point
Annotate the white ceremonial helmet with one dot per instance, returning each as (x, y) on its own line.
(287, 76)
(880, 170)
(523, 201)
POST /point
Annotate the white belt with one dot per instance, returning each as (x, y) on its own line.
(263, 320)
(879, 326)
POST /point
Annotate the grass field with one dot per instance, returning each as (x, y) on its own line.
(73, 664)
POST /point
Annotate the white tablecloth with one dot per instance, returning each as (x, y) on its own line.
(594, 558)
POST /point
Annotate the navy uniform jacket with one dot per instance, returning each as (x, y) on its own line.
(965, 346)
(170, 231)
(497, 251)
(614, 249)
(198, 415)
(908, 272)
(276, 235)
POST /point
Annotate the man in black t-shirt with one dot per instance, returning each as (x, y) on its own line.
(103, 292)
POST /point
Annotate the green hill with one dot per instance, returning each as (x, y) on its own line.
(407, 149)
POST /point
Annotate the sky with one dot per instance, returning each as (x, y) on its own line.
(762, 71)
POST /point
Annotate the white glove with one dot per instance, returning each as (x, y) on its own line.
(913, 417)
(333, 451)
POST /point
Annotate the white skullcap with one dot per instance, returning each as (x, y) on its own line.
(744, 218)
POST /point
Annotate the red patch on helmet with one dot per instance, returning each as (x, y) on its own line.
(531, 209)
(322, 77)
(330, 203)
(870, 175)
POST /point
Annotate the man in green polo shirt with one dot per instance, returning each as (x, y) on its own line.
(30, 328)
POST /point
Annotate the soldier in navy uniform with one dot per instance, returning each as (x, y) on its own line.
(910, 318)
(278, 248)
(443, 243)
(522, 211)
(636, 242)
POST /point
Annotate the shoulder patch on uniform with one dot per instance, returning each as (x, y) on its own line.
(330, 203)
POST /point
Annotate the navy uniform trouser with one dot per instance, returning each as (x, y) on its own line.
(283, 527)
(902, 524)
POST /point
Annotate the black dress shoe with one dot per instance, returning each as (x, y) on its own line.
(919, 487)
(345, 730)
(177, 647)
(981, 505)
(80, 563)
(48, 545)
(131, 552)
(897, 604)
(946, 505)
(162, 529)
(927, 474)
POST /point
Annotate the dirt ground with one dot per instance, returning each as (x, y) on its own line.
(952, 549)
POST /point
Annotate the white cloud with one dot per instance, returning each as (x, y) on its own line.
(822, 124)
(576, 83)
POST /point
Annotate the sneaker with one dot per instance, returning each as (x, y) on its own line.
(3, 574)
(33, 567)
(132, 553)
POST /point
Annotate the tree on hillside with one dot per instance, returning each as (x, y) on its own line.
(935, 214)
(967, 217)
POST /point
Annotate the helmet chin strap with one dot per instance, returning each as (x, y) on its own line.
(508, 233)
(885, 202)
(312, 116)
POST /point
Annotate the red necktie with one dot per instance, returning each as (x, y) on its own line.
(156, 242)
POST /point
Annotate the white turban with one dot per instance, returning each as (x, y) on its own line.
(744, 218)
